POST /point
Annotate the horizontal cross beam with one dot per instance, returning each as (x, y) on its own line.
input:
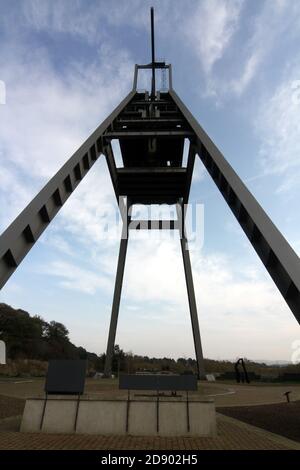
(153, 225)
(129, 134)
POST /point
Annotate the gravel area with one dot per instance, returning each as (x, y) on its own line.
(281, 418)
(10, 406)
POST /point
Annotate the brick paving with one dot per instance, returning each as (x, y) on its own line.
(232, 435)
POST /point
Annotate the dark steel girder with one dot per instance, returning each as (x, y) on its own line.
(277, 255)
(143, 134)
(18, 239)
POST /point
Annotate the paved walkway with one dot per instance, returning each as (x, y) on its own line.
(224, 394)
(232, 435)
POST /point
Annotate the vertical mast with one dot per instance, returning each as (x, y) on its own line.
(153, 55)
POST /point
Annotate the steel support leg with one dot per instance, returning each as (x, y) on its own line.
(115, 307)
(192, 305)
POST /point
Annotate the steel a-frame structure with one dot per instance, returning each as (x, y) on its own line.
(151, 129)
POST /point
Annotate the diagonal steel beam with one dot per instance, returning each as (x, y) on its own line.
(109, 154)
(190, 170)
(18, 239)
(277, 255)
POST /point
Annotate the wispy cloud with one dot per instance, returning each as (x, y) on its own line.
(210, 29)
(54, 239)
(274, 22)
(14, 193)
(73, 277)
(85, 20)
(278, 127)
(273, 25)
(49, 114)
(154, 273)
(240, 84)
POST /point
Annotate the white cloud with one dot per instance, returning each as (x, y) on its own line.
(236, 304)
(50, 129)
(64, 17)
(52, 238)
(14, 194)
(274, 24)
(49, 115)
(210, 29)
(82, 19)
(154, 273)
(270, 25)
(75, 278)
(278, 127)
(239, 85)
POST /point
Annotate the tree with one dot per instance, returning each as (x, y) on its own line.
(57, 331)
(118, 361)
(129, 361)
(100, 362)
(82, 353)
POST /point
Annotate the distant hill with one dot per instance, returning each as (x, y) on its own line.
(31, 337)
(274, 363)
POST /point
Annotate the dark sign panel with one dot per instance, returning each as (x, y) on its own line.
(158, 382)
(65, 377)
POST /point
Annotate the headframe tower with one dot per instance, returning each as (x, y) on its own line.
(151, 128)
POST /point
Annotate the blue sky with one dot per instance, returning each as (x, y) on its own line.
(236, 64)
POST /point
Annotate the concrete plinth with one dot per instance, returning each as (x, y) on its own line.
(168, 417)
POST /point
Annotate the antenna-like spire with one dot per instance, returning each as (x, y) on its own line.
(152, 55)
